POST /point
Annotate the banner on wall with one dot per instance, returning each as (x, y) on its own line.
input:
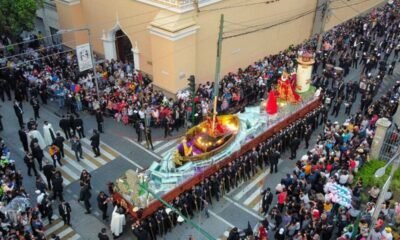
(84, 57)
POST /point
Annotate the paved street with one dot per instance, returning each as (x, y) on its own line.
(120, 151)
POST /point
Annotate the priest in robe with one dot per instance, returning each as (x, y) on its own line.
(117, 221)
(48, 133)
(36, 134)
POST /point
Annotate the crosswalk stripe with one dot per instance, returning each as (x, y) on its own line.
(54, 226)
(65, 169)
(66, 181)
(75, 237)
(67, 230)
(256, 201)
(87, 164)
(109, 150)
(164, 146)
(257, 207)
(156, 143)
(252, 196)
(225, 235)
(104, 154)
(72, 161)
(251, 185)
(58, 228)
(92, 162)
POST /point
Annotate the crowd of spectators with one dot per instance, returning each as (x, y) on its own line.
(303, 211)
(18, 218)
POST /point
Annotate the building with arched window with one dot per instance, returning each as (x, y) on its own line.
(173, 39)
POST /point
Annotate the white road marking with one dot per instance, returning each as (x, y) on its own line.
(143, 148)
(102, 151)
(165, 146)
(256, 193)
(75, 237)
(65, 180)
(243, 208)
(252, 184)
(65, 167)
(89, 165)
(221, 219)
(65, 232)
(54, 228)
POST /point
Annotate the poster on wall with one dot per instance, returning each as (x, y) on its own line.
(84, 57)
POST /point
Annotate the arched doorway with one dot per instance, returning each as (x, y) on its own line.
(123, 46)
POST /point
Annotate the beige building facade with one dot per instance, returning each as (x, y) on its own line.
(173, 39)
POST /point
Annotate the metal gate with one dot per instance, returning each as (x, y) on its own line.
(390, 143)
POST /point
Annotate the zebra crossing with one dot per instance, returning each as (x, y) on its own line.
(163, 147)
(225, 235)
(57, 227)
(72, 169)
(250, 196)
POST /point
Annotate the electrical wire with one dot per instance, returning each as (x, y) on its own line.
(246, 26)
(349, 5)
(275, 24)
(236, 6)
(290, 20)
(32, 60)
(30, 40)
(37, 50)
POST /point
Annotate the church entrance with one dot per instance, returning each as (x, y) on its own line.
(123, 46)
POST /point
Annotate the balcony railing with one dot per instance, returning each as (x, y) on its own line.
(179, 6)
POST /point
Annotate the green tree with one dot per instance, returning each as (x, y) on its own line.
(17, 16)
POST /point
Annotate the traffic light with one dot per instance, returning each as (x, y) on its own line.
(192, 83)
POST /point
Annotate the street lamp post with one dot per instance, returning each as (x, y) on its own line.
(61, 31)
(379, 173)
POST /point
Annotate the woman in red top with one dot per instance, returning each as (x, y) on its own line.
(282, 199)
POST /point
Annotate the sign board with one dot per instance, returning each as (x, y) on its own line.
(84, 56)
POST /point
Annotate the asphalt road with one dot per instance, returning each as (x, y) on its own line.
(121, 152)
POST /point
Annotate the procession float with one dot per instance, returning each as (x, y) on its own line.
(216, 141)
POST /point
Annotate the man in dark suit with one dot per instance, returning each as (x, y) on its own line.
(38, 154)
(23, 137)
(79, 127)
(58, 186)
(19, 113)
(95, 143)
(99, 120)
(35, 106)
(274, 158)
(266, 200)
(102, 203)
(59, 142)
(30, 164)
(85, 196)
(294, 145)
(147, 135)
(65, 210)
(65, 126)
(49, 171)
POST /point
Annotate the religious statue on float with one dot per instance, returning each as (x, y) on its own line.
(286, 88)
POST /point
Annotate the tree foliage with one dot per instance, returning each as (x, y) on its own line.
(17, 16)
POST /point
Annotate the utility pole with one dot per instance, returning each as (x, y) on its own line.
(324, 16)
(196, 6)
(381, 198)
(217, 70)
(192, 87)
